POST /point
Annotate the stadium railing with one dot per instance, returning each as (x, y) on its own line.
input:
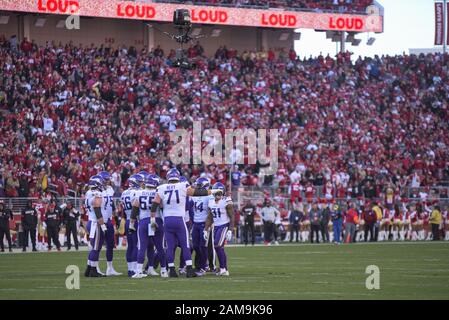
(257, 195)
(435, 192)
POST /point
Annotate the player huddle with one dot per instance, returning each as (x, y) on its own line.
(158, 222)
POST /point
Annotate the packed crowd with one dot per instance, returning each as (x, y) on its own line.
(350, 128)
(317, 5)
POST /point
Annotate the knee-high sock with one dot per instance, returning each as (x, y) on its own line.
(94, 255)
(221, 257)
(150, 252)
(110, 242)
(203, 257)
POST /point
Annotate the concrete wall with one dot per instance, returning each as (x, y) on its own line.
(11, 28)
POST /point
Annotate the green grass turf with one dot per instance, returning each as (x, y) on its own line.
(407, 271)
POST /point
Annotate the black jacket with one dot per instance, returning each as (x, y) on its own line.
(295, 217)
(5, 216)
(29, 218)
(249, 212)
(315, 217)
(53, 218)
(325, 216)
(70, 214)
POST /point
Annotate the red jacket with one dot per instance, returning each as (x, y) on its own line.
(351, 216)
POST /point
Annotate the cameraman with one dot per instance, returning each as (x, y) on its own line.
(70, 216)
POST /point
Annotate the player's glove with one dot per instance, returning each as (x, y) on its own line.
(103, 227)
(206, 235)
(229, 235)
(131, 228)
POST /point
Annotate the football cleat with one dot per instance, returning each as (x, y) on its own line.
(172, 273)
(131, 273)
(112, 272)
(151, 272)
(139, 275)
(182, 271)
(99, 271)
(223, 273)
(200, 273)
(95, 274)
(190, 273)
(164, 274)
(87, 272)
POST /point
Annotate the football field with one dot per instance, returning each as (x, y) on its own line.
(407, 271)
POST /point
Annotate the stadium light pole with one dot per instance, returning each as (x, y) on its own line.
(343, 41)
(445, 23)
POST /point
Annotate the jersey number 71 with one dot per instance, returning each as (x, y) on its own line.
(170, 193)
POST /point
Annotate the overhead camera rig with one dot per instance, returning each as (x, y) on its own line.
(182, 22)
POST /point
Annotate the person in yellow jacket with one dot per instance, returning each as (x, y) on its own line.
(378, 211)
(435, 221)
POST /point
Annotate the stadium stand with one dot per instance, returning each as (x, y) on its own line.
(68, 112)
